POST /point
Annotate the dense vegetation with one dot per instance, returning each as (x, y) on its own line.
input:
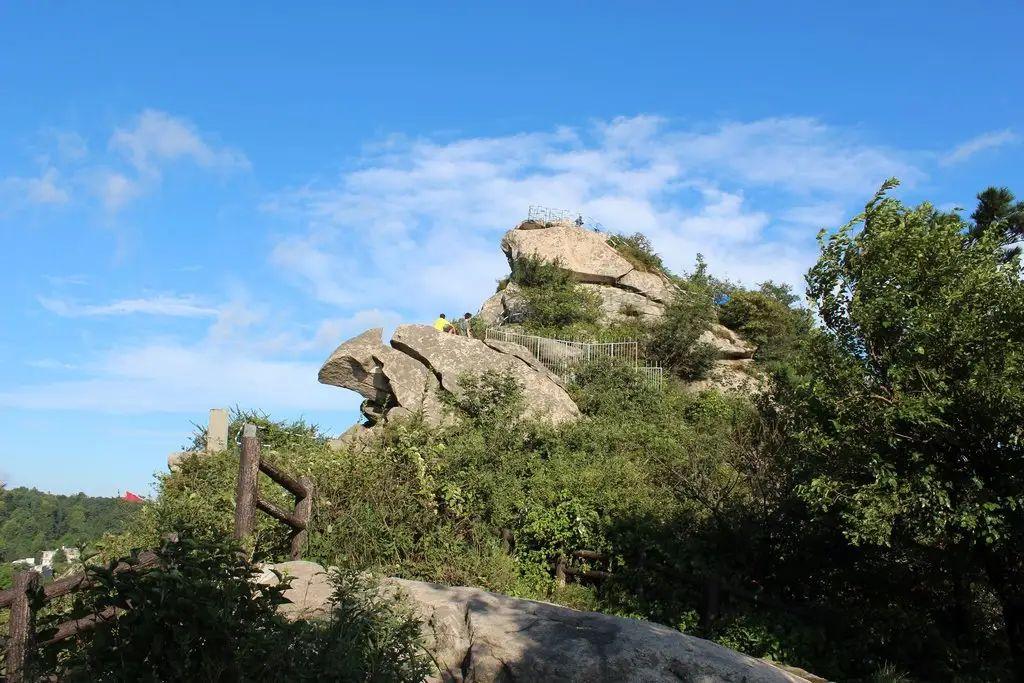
(861, 517)
(32, 521)
(200, 616)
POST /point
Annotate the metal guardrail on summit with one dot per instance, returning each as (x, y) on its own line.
(545, 214)
(562, 356)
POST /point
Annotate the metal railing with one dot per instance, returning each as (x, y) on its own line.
(544, 214)
(563, 356)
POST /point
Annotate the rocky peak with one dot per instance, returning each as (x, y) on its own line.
(622, 289)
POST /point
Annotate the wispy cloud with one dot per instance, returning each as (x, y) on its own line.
(46, 188)
(156, 137)
(174, 306)
(163, 377)
(991, 140)
(130, 165)
(418, 220)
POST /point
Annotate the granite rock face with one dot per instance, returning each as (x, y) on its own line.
(405, 378)
(476, 636)
(624, 291)
(449, 357)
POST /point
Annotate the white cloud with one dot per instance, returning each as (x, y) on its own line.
(43, 189)
(166, 377)
(157, 137)
(991, 140)
(416, 223)
(165, 305)
(115, 189)
(133, 164)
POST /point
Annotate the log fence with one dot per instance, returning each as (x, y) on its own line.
(22, 599)
(247, 498)
(565, 571)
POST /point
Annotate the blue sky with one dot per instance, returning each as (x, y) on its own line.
(198, 203)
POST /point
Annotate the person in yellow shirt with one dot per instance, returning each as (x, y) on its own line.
(441, 324)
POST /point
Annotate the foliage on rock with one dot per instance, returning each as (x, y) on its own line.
(200, 615)
(639, 251)
(554, 300)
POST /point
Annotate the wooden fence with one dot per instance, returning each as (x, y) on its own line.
(22, 622)
(247, 499)
(19, 598)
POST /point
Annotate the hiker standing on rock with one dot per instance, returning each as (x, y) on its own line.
(465, 325)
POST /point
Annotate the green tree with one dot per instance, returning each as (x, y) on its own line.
(766, 319)
(674, 339)
(553, 299)
(913, 429)
(998, 212)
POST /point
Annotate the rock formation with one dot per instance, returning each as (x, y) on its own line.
(623, 290)
(733, 369)
(477, 636)
(405, 378)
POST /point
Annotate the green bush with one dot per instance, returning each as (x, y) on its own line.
(637, 249)
(200, 616)
(765, 319)
(673, 341)
(554, 301)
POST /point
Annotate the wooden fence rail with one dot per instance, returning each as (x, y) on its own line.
(22, 622)
(247, 499)
(18, 599)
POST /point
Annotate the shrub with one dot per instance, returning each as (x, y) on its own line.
(553, 299)
(200, 616)
(673, 340)
(637, 249)
(764, 320)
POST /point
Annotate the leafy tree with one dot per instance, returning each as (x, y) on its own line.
(674, 339)
(639, 251)
(32, 521)
(913, 419)
(998, 212)
(766, 319)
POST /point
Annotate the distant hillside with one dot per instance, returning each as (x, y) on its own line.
(32, 521)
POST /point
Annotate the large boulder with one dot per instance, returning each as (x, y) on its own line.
(449, 357)
(405, 378)
(584, 253)
(475, 636)
(623, 305)
(593, 262)
(505, 306)
(392, 383)
(653, 286)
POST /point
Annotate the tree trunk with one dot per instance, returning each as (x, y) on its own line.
(712, 601)
(1004, 573)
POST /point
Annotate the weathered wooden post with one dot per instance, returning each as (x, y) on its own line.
(246, 494)
(303, 510)
(560, 567)
(22, 626)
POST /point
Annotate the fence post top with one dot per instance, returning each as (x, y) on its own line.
(249, 430)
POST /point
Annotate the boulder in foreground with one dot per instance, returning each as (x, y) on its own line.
(482, 637)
